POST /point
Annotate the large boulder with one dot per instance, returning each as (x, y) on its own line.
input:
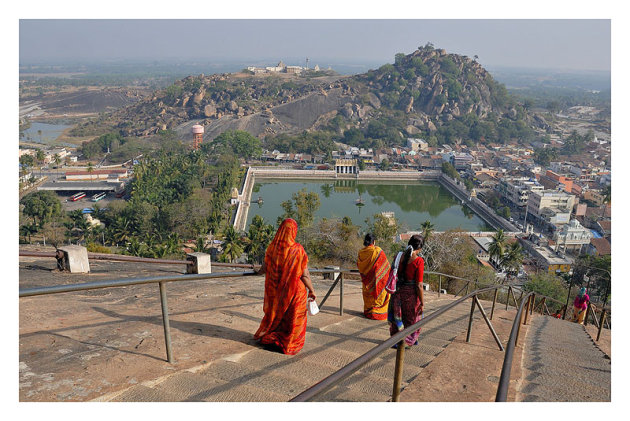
(198, 97)
(209, 110)
(374, 101)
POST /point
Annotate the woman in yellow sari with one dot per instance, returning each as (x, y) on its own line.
(374, 269)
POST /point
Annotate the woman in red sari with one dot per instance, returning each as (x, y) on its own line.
(286, 283)
(407, 303)
(374, 269)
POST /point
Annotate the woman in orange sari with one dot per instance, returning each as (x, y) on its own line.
(374, 269)
(286, 283)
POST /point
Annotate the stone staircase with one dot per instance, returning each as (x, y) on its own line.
(331, 343)
(562, 364)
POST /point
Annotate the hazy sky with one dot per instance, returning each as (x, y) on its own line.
(575, 44)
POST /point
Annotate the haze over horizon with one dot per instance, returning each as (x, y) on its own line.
(560, 44)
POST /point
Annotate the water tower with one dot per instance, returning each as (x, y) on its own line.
(197, 131)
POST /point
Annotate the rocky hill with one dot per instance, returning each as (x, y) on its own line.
(424, 90)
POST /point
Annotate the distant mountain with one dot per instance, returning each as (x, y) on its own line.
(426, 93)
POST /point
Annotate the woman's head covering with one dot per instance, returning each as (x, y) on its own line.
(285, 236)
(582, 291)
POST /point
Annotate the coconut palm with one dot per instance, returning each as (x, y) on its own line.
(232, 248)
(512, 259)
(427, 229)
(496, 249)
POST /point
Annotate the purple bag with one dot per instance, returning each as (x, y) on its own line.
(393, 275)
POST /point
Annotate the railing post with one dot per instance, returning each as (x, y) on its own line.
(341, 293)
(483, 313)
(507, 298)
(165, 321)
(440, 286)
(542, 306)
(470, 319)
(601, 324)
(518, 330)
(529, 302)
(531, 308)
(494, 301)
(400, 357)
(588, 308)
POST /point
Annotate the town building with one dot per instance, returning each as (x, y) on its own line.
(550, 206)
(417, 144)
(598, 247)
(572, 237)
(547, 259)
(346, 166)
(96, 175)
(517, 189)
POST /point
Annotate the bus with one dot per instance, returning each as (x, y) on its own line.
(98, 196)
(77, 196)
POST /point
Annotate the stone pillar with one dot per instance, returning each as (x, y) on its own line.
(201, 263)
(74, 259)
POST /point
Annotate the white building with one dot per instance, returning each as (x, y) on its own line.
(572, 236)
(551, 206)
(517, 190)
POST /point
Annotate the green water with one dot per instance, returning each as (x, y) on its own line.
(412, 202)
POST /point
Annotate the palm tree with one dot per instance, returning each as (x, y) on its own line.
(90, 169)
(497, 247)
(232, 248)
(57, 160)
(427, 229)
(512, 259)
(40, 156)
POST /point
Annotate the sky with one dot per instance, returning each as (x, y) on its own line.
(567, 44)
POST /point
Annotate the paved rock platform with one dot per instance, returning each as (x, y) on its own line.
(108, 344)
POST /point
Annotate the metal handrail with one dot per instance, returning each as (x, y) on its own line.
(504, 380)
(398, 338)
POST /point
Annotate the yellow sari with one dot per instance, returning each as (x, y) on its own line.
(374, 269)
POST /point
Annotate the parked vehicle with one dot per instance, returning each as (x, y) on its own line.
(77, 196)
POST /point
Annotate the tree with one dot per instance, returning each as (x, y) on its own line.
(496, 249)
(42, 206)
(333, 241)
(427, 229)
(54, 232)
(241, 143)
(449, 169)
(27, 161)
(384, 230)
(547, 284)
(232, 248)
(90, 169)
(258, 238)
(512, 259)
(301, 207)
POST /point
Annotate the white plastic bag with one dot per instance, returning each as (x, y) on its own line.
(313, 309)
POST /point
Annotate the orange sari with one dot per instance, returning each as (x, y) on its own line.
(374, 269)
(284, 323)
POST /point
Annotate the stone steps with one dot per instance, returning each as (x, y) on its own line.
(260, 375)
(561, 364)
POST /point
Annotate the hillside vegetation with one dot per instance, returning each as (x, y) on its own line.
(445, 98)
